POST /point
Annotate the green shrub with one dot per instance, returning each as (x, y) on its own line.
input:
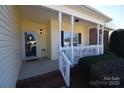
(116, 43)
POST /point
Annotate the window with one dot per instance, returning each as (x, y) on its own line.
(66, 39)
(100, 38)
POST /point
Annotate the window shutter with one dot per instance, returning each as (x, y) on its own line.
(79, 38)
(62, 38)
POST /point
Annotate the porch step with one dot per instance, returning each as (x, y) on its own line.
(49, 80)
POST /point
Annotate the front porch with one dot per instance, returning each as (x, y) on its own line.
(63, 36)
(53, 79)
(37, 67)
(68, 47)
(40, 73)
(29, 32)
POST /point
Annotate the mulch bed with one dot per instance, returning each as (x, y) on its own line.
(77, 80)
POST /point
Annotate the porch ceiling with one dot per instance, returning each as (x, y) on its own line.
(42, 14)
(36, 13)
(66, 18)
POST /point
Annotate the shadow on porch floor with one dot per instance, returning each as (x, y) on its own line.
(37, 67)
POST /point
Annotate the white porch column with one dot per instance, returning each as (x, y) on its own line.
(98, 28)
(60, 28)
(102, 39)
(72, 31)
(59, 39)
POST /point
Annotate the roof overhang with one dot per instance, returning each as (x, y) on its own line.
(96, 12)
(109, 29)
(82, 11)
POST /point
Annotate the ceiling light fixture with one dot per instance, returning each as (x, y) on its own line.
(41, 31)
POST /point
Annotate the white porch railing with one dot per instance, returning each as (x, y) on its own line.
(79, 52)
(82, 51)
(65, 65)
(67, 51)
(101, 47)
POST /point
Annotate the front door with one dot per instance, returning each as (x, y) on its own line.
(30, 44)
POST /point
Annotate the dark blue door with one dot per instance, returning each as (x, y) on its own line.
(30, 44)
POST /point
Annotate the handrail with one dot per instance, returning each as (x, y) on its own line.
(65, 65)
(65, 58)
(69, 47)
(85, 46)
(81, 46)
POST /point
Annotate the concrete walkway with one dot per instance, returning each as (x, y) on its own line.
(37, 67)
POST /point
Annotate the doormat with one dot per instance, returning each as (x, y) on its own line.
(31, 60)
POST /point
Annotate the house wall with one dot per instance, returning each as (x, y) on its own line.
(54, 40)
(29, 26)
(10, 46)
(48, 38)
(78, 27)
